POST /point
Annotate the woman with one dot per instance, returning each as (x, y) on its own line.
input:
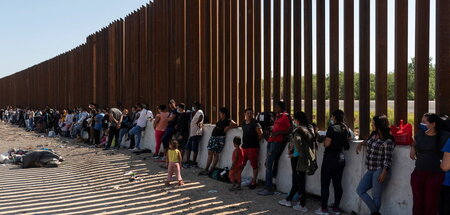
(303, 143)
(427, 177)
(125, 125)
(160, 125)
(445, 192)
(217, 139)
(380, 147)
(336, 141)
(67, 123)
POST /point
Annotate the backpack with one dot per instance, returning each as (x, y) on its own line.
(308, 150)
(266, 120)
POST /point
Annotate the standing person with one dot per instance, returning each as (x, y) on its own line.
(336, 141)
(380, 148)
(76, 131)
(97, 126)
(195, 133)
(114, 126)
(251, 135)
(125, 124)
(182, 127)
(173, 162)
(302, 151)
(217, 139)
(160, 125)
(237, 164)
(141, 123)
(427, 177)
(444, 207)
(133, 119)
(172, 122)
(275, 147)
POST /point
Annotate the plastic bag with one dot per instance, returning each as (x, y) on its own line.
(402, 134)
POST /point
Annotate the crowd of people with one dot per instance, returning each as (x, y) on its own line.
(180, 130)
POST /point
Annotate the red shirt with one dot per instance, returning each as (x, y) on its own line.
(240, 157)
(282, 123)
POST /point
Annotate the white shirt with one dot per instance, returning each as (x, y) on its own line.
(195, 129)
(144, 114)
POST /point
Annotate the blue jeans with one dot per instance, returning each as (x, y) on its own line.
(137, 132)
(122, 133)
(273, 149)
(370, 181)
(76, 130)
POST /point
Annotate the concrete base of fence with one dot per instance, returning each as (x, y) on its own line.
(397, 196)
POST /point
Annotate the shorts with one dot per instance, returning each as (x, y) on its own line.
(216, 144)
(192, 144)
(251, 154)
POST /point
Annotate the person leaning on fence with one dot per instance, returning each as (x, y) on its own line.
(276, 144)
(125, 125)
(182, 127)
(217, 139)
(380, 148)
(444, 206)
(195, 134)
(172, 122)
(251, 137)
(141, 123)
(160, 124)
(302, 151)
(427, 177)
(336, 141)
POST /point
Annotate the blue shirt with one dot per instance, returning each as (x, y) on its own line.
(98, 121)
(447, 174)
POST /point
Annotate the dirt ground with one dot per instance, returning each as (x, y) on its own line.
(92, 181)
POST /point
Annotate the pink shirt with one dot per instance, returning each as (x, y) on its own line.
(163, 121)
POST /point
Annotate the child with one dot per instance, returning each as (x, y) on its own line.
(238, 164)
(173, 162)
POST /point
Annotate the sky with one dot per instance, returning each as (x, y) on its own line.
(35, 31)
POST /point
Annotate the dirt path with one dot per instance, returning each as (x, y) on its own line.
(92, 181)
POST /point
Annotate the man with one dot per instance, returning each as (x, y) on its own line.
(170, 130)
(76, 131)
(196, 132)
(276, 143)
(141, 123)
(114, 126)
(251, 137)
(182, 127)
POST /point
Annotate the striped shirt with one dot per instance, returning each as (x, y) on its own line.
(379, 153)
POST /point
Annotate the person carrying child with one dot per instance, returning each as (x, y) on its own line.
(173, 162)
(238, 164)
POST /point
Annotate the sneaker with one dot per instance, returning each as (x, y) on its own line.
(265, 192)
(156, 157)
(132, 149)
(300, 208)
(286, 203)
(162, 158)
(321, 211)
(335, 211)
(135, 149)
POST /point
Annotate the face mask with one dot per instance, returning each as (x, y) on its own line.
(193, 108)
(423, 127)
(295, 124)
(331, 122)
